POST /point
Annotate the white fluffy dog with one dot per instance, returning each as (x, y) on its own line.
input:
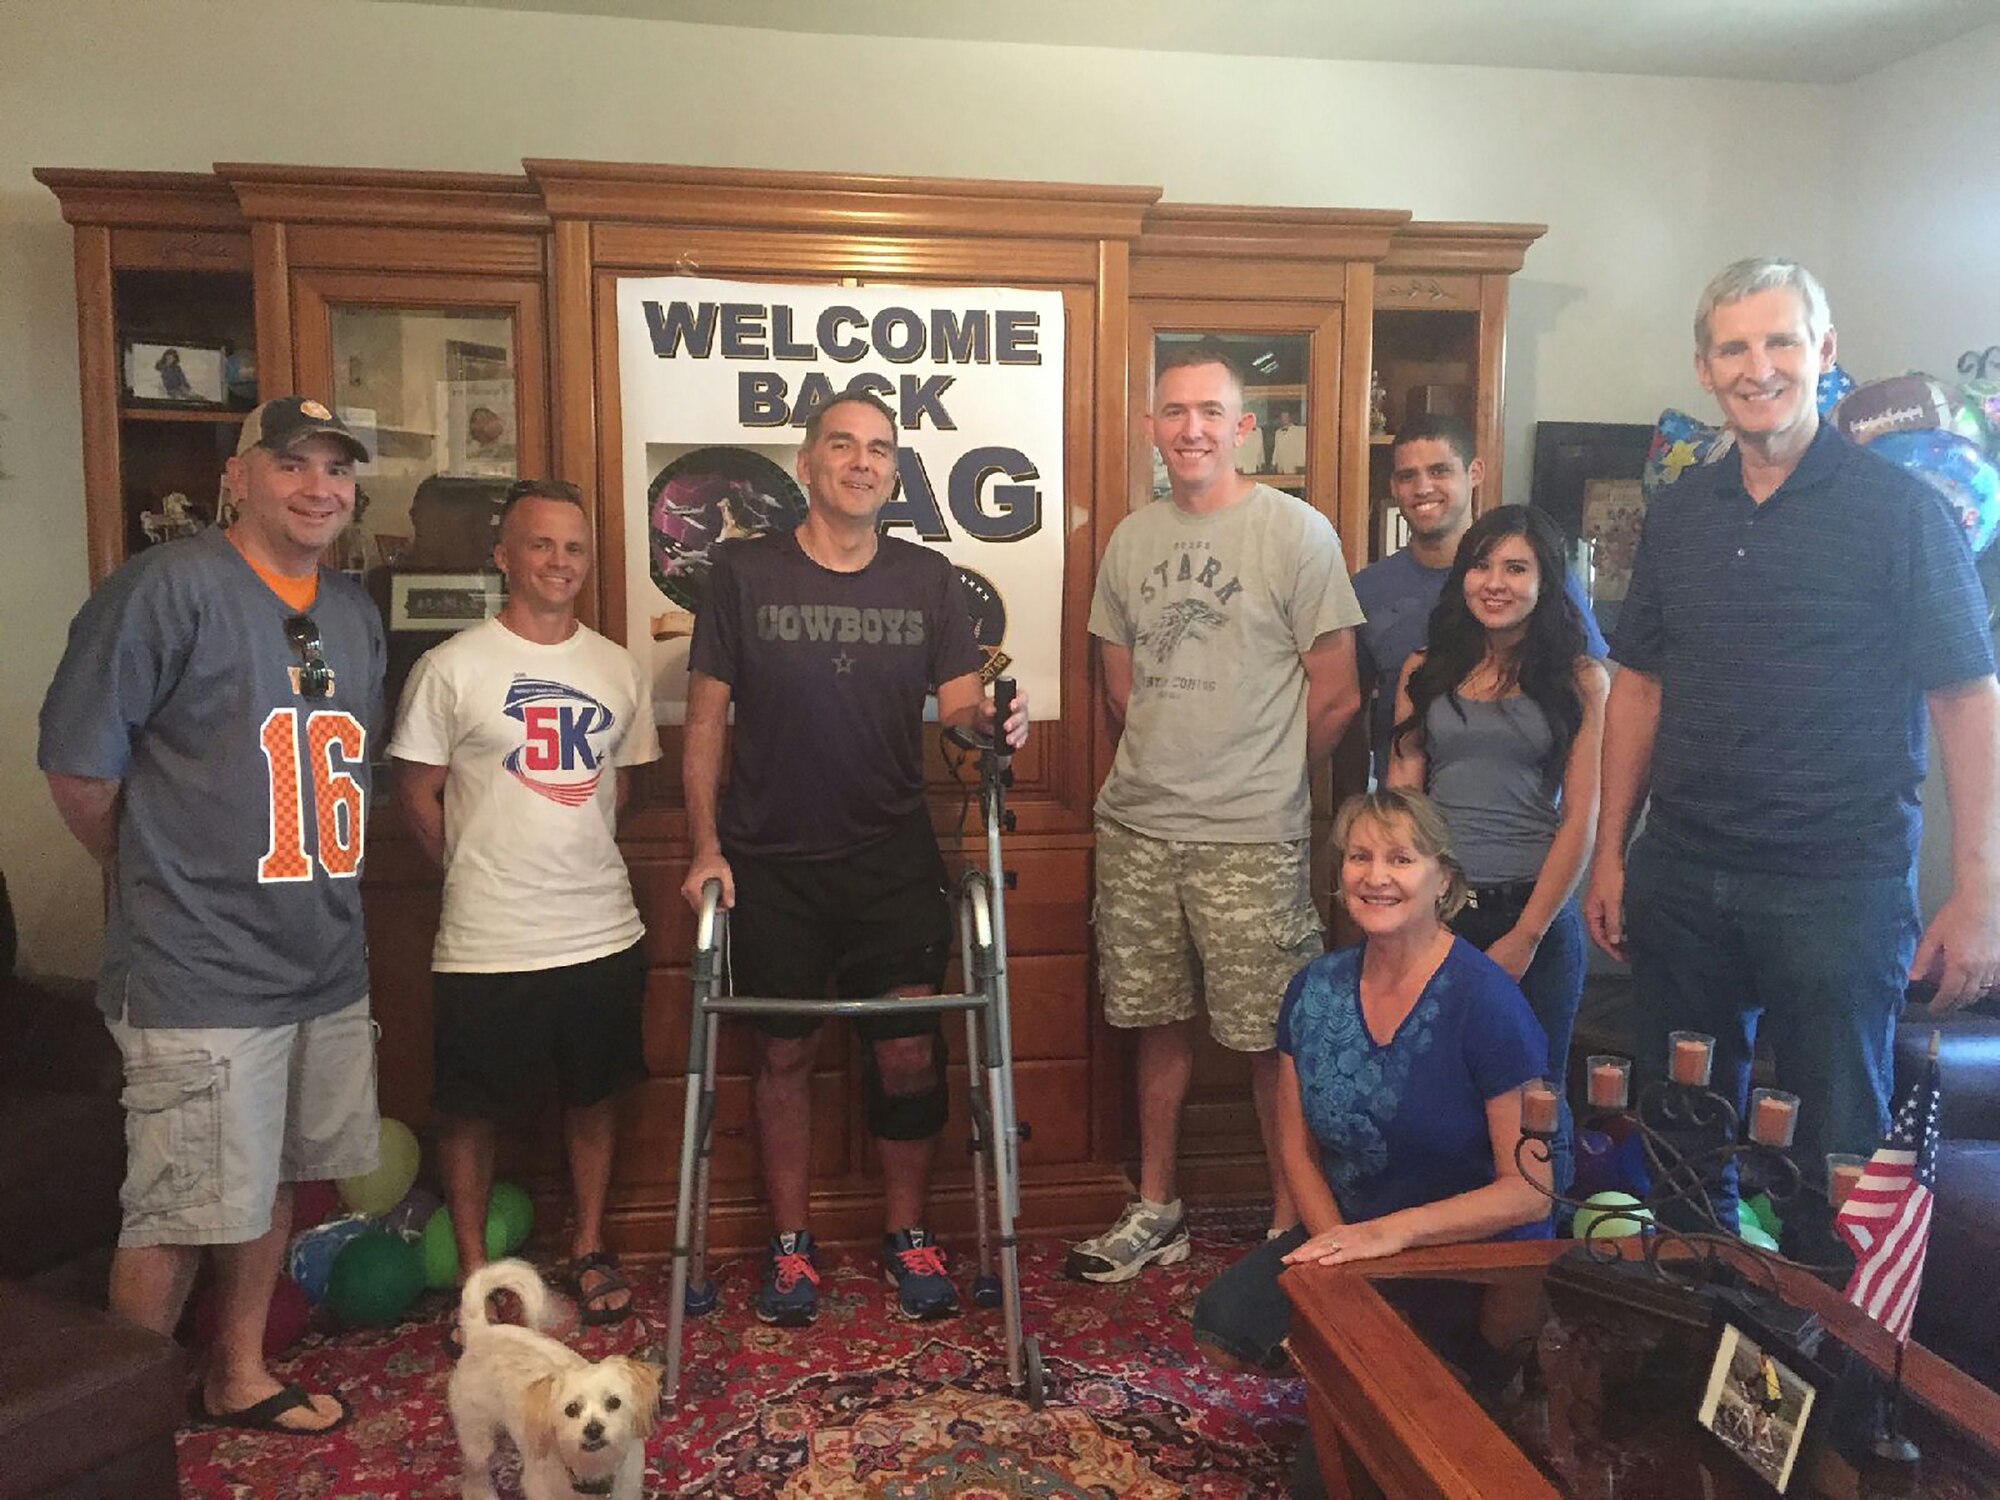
(581, 1427)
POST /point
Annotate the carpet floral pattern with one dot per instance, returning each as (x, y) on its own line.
(860, 1404)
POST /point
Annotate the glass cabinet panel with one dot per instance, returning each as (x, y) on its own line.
(433, 393)
(1276, 367)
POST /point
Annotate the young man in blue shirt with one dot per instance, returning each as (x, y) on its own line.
(1433, 472)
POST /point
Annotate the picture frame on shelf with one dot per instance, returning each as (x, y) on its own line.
(1763, 1400)
(479, 428)
(431, 603)
(163, 372)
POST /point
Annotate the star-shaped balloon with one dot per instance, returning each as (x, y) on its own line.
(1677, 457)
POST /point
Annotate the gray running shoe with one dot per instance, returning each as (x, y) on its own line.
(1144, 1235)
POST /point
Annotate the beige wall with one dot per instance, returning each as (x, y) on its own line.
(1915, 280)
(1640, 180)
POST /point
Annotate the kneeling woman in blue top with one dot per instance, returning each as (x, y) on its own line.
(1400, 1069)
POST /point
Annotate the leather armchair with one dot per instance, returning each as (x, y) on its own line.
(88, 1403)
(1958, 1310)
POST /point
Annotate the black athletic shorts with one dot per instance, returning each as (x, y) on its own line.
(851, 927)
(497, 1035)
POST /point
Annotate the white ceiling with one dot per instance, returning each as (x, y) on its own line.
(1795, 41)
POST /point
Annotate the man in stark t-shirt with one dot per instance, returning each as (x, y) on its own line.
(1225, 628)
(827, 640)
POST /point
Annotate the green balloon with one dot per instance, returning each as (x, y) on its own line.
(437, 1252)
(509, 1215)
(375, 1277)
(1610, 1215)
(516, 1212)
(374, 1193)
(1756, 1234)
(1766, 1212)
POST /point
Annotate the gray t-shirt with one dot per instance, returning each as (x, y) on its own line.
(244, 805)
(1216, 610)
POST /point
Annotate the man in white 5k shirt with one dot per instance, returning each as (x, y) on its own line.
(513, 749)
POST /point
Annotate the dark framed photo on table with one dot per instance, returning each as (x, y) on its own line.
(162, 372)
(1763, 1400)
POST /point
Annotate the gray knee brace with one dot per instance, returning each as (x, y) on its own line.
(906, 1117)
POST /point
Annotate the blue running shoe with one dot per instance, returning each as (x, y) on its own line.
(914, 1266)
(789, 1297)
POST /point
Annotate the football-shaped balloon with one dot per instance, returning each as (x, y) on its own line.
(1902, 403)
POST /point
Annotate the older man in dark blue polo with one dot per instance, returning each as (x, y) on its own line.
(1795, 611)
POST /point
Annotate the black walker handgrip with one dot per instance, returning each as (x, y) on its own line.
(1003, 708)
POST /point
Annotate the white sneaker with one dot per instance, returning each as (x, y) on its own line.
(1145, 1234)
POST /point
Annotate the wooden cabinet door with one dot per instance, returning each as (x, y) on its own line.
(445, 379)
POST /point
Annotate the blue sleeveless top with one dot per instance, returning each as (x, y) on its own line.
(1486, 775)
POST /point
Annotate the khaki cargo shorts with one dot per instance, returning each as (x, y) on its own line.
(1178, 923)
(217, 1117)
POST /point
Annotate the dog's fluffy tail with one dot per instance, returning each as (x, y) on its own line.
(515, 1276)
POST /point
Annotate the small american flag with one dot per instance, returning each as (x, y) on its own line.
(1886, 1220)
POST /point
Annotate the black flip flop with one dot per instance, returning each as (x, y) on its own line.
(263, 1417)
(606, 1266)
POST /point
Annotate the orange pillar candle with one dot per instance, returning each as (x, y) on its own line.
(1608, 1081)
(1774, 1115)
(1539, 1108)
(1843, 1174)
(1689, 1054)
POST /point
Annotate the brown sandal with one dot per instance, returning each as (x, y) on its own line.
(590, 1300)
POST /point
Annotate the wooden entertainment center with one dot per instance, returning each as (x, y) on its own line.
(363, 287)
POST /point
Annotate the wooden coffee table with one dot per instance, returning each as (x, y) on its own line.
(1388, 1413)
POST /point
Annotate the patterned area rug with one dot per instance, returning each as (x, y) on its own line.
(860, 1404)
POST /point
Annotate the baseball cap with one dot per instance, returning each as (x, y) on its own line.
(283, 424)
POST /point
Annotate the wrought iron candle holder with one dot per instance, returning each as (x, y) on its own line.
(1691, 1136)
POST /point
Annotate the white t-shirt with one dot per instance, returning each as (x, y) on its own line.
(1217, 610)
(533, 737)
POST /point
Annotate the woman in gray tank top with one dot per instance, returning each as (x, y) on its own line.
(1501, 719)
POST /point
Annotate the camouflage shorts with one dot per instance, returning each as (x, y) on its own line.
(1180, 922)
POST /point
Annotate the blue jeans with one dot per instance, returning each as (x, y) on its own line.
(1553, 986)
(1817, 963)
(1243, 1312)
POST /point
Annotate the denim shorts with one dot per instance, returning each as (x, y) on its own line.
(217, 1117)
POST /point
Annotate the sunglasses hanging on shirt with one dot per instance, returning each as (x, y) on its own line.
(315, 676)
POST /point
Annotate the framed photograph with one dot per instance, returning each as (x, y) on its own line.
(478, 435)
(1761, 1400)
(157, 372)
(433, 602)
(1614, 510)
(1568, 455)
